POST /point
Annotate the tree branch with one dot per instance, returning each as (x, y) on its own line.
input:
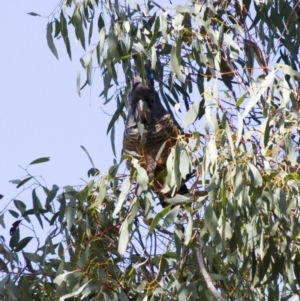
(204, 272)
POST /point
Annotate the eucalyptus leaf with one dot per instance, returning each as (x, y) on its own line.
(124, 192)
(40, 160)
(189, 231)
(124, 237)
(192, 114)
(50, 39)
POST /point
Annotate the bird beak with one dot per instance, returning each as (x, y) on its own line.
(143, 112)
(141, 105)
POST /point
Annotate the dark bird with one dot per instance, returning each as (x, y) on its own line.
(148, 127)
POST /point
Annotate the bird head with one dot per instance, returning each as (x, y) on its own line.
(142, 99)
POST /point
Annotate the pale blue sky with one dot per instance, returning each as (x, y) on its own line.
(41, 112)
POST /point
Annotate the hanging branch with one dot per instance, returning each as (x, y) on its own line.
(204, 272)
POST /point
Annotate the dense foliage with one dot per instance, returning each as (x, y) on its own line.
(229, 72)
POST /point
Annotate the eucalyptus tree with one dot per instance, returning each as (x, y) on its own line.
(228, 71)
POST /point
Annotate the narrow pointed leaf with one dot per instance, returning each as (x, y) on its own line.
(23, 243)
(188, 231)
(23, 182)
(124, 237)
(157, 218)
(124, 192)
(40, 160)
(50, 39)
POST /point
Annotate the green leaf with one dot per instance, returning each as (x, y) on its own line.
(102, 193)
(23, 182)
(178, 199)
(140, 46)
(221, 37)
(90, 158)
(124, 192)
(185, 163)
(170, 218)
(286, 94)
(241, 99)
(113, 171)
(83, 194)
(51, 195)
(290, 149)
(50, 39)
(186, 9)
(54, 217)
(154, 34)
(211, 221)
(31, 212)
(255, 175)
(22, 244)
(112, 52)
(64, 32)
(73, 294)
(36, 207)
(170, 179)
(102, 37)
(40, 160)
(14, 213)
(158, 155)
(164, 27)
(177, 21)
(20, 206)
(123, 296)
(62, 209)
(256, 95)
(142, 176)
(112, 139)
(157, 218)
(123, 238)
(239, 129)
(14, 240)
(178, 242)
(294, 298)
(34, 14)
(57, 28)
(217, 276)
(92, 286)
(68, 47)
(17, 181)
(191, 115)
(153, 57)
(2, 220)
(176, 59)
(4, 281)
(134, 210)
(70, 213)
(178, 176)
(3, 268)
(78, 81)
(77, 22)
(89, 67)
(91, 31)
(238, 182)
(33, 257)
(101, 23)
(189, 231)
(287, 70)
